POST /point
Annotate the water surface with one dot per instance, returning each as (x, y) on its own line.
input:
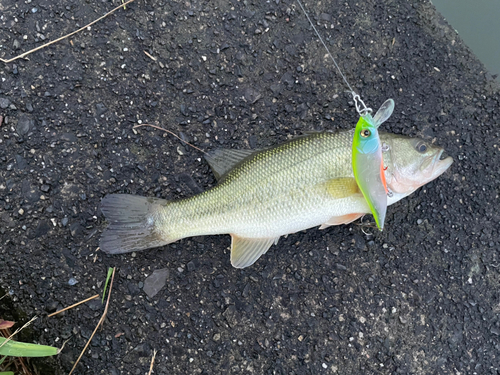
(477, 23)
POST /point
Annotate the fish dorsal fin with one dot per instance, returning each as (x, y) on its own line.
(223, 160)
(338, 220)
(246, 251)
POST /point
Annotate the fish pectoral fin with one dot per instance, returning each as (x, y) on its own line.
(246, 251)
(338, 220)
(222, 160)
(342, 187)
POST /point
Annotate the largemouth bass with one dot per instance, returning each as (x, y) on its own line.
(263, 195)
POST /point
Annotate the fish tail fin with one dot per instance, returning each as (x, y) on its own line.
(132, 222)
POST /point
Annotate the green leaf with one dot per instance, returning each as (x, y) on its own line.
(22, 349)
(110, 272)
(1, 360)
(7, 373)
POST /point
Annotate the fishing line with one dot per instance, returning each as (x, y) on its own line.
(361, 107)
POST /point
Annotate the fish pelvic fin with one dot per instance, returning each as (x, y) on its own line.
(246, 251)
(338, 220)
(131, 223)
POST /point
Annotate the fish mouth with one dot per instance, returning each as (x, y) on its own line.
(443, 155)
(441, 162)
(433, 167)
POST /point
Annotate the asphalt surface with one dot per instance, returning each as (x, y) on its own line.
(420, 298)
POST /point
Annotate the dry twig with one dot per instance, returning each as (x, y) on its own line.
(171, 133)
(151, 57)
(152, 362)
(98, 324)
(65, 36)
(74, 305)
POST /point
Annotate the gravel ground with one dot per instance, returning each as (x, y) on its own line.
(420, 298)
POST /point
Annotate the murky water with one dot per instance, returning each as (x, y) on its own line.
(477, 23)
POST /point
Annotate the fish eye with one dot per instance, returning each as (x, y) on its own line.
(365, 133)
(421, 147)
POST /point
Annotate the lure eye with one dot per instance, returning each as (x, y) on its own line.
(365, 133)
(421, 147)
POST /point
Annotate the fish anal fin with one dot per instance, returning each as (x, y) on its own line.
(246, 251)
(342, 187)
(222, 160)
(338, 220)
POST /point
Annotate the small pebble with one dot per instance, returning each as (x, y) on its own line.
(4, 103)
(72, 281)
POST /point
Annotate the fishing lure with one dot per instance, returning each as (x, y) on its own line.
(367, 161)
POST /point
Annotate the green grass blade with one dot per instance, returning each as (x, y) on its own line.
(1, 360)
(110, 272)
(7, 373)
(22, 349)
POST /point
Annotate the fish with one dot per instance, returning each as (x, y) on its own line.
(367, 163)
(265, 194)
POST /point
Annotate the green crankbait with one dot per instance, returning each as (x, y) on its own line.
(367, 162)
